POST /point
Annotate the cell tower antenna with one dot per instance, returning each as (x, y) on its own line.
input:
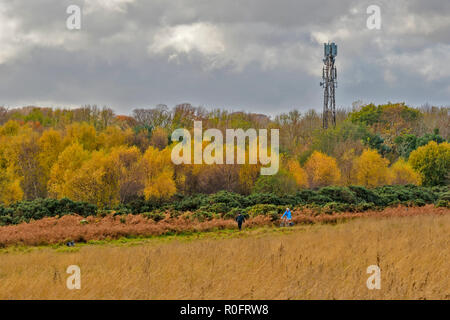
(329, 77)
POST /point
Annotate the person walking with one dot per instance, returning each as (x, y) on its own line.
(240, 219)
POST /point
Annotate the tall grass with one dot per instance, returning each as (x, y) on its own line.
(313, 262)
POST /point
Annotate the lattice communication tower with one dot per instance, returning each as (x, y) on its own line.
(329, 77)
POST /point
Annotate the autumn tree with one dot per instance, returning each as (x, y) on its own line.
(345, 162)
(11, 189)
(113, 136)
(280, 183)
(298, 173)
(213, 178)
(126, 161)
(248, 173)
(156, 117)
(20, 151)
(50, 146)
(3, 115)
(322, 170)
(403, 173)
(160, 138)
(371, 169)
(10, 182)
(158, 174)
(27, 153)
(82, 133)
(10, 179)
(62, 172)
(432, 161)
(95, 181)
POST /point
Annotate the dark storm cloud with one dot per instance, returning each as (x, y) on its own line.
(255, 55)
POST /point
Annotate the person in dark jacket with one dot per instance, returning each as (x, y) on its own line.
(240, 219)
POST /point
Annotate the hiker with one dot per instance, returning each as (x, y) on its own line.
(240, 219)
(287, 216)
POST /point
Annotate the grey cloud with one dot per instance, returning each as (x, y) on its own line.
(255, 55)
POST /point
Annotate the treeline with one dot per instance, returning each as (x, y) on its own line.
(92, 155)
(226, 205)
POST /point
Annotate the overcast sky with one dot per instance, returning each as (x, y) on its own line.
(254, 55)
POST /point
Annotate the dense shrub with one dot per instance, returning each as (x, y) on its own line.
(391, 195)
(339, 194)
(154, 215)
(233, 213)
(202, 215)
(419, 203)
(262, 198)
(227, 204)
(122, 210)
(445, 196)
(333, 207)
(263, 209)
(443, 204)
(364, 206)
(290, 200)
(140, 205)
(6, 216)
(304, 196)
(444, 200)
(364, 195)
(279, 184)
(319, 200)
(231, 199)
(24, 211)
(218, 207)
(190, 203)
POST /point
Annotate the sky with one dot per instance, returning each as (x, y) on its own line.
(262, 56)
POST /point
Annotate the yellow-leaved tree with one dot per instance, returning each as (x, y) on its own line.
(433, 163)
(50, 146)
(371, 169)
(126, 160)
(322, 170)
(113, 136)
(11, 191)
(62, 172)
(10, 188)
(403, 173)
(96, 181)
(82, 133)
(298, 173)
(158, 174)
(248, 173)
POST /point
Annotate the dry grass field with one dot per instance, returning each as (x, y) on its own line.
(304, 262)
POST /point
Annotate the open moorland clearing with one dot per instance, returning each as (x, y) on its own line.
(321, 261)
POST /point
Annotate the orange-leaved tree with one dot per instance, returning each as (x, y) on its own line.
(298, 173)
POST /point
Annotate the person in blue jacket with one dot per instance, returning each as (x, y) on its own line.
(287, 215)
